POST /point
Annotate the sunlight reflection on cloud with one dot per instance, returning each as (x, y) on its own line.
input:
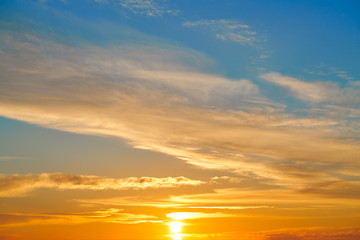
(120, 92)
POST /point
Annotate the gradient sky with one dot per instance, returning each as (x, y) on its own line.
(229, 119)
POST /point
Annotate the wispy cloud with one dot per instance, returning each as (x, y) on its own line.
(277, 198)
(229, 30)
(328, 71)
(241, 200)
(155, 100)
(112, 215)
(336, 188)
(17, 185)
(335, 233)
(317, 92)
(150, 8)
(325, 100)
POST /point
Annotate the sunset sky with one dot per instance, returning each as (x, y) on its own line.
(179, 120)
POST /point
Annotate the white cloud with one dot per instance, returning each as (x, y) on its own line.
(303, 90)
(316, 92)
(325, 70)
(224, 29)
(150, 8)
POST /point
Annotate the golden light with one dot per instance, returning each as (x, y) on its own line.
(175, 227)
(179, 215)
(176, 237)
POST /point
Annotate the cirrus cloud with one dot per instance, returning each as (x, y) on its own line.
(152, 98)
(226, 29)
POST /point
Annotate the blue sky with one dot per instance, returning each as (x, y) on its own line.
(298, 35)
(263, 91)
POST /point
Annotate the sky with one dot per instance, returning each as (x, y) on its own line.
(179, 120)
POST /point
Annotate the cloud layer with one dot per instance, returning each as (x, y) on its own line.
(158, 99)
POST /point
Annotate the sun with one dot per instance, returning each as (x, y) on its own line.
(175, 227)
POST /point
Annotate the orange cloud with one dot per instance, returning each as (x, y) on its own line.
(17, 185)
(111, 215)
(349, 233)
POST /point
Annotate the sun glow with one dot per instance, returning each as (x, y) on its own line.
(175, 227)
(176, 236)
(179, 215)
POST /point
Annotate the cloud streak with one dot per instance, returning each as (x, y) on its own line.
(315, 92)
(271, 201)
(149, 8)
(17, 185)
(111, 215)
(350, 233)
